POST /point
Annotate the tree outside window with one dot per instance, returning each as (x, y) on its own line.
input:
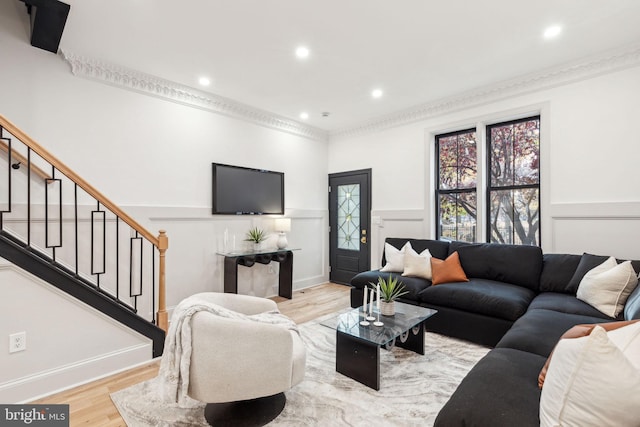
(514, 182)
(456, 192)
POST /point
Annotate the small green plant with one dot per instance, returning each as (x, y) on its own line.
(390, 288)
(255, 235)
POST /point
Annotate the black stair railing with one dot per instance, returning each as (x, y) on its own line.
(47, 210)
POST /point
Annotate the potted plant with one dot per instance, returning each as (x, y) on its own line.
(256, 236)
(390, 289)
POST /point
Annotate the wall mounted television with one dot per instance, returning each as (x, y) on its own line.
(244, 191)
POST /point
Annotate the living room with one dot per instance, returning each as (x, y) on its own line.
(152, 155)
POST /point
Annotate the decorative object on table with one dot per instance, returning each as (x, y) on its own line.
(390, 289)
(370, 317)
(225, 243)
(378, 322)
(282, 225)
(256, 236)
(365, 322)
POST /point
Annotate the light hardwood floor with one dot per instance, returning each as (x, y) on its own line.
(90, 404)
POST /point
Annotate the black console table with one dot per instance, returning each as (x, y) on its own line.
(248, 258)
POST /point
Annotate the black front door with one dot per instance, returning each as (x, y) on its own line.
(349, 219)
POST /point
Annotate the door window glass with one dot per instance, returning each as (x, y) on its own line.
(349, 217)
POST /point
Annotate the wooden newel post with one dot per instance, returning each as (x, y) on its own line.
(162, 320)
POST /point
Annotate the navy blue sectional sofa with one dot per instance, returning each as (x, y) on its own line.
(519, 301)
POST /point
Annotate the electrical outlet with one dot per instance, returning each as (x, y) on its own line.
(17, 342)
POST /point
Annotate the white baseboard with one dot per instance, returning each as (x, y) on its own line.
(45, 383)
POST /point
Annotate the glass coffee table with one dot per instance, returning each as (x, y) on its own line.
(358, 347)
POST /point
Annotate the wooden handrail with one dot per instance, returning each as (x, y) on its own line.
(161, 241)
(37, 148)
(22, 159)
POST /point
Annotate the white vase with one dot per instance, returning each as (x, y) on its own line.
(387, 308)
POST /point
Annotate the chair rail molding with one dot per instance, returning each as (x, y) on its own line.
(570, 72)
(138, 81)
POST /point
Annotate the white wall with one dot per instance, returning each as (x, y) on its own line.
(589, 148)
(66, 342)
(153, 158)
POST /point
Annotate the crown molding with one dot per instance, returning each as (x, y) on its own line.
(571, 72)
(586, 68)
(125, 78)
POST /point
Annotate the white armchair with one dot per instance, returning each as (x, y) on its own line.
(242, 361)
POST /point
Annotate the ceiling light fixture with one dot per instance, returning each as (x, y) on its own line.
(552, 32)
(302, 52)
(376, 93)
(304, 115)
(204, 81)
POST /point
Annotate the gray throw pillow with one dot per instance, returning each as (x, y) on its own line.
(587, 262)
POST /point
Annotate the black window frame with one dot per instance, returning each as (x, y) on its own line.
(490, 187)
(440, 191)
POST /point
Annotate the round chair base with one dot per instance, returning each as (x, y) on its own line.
(245, 413)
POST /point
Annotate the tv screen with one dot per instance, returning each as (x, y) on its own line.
(244, 191)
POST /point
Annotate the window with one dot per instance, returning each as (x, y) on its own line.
(513, 194)
(456, 192)
(512, 178)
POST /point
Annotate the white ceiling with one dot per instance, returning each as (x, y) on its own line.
(416, 51)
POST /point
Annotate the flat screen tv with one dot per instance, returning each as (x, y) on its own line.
(244, 191)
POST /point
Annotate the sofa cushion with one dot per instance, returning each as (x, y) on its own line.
(515, 264)
(394, 258)
(557, 271)
(412, 284)
(482, 296)
(501, 390)
(587, 262)
(632, 307)
(608, 286)
(438, 248)
(590, 382)
(538, 331)
(448, 270)
(565, 303)
(417, 264)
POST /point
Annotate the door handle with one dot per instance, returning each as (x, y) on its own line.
(363, 240)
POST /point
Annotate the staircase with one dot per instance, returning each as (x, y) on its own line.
(59, 228)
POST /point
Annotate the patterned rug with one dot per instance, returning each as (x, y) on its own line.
(413, 388)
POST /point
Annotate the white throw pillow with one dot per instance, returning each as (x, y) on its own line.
(394, 258)
(607, 286)
(590, 382)
(627, 339)
(417, 264)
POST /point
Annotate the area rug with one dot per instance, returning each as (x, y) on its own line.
(413, 388)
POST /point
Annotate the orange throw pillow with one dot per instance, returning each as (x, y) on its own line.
(449, 270)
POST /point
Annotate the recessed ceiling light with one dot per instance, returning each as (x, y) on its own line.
(552, 31)
(304, 115)
(204, 81)
(302, 52)
(376, 93)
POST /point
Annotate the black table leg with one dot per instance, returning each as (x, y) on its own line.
(358, 360)
(231, 275)
(285, 278)
(414, 342)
